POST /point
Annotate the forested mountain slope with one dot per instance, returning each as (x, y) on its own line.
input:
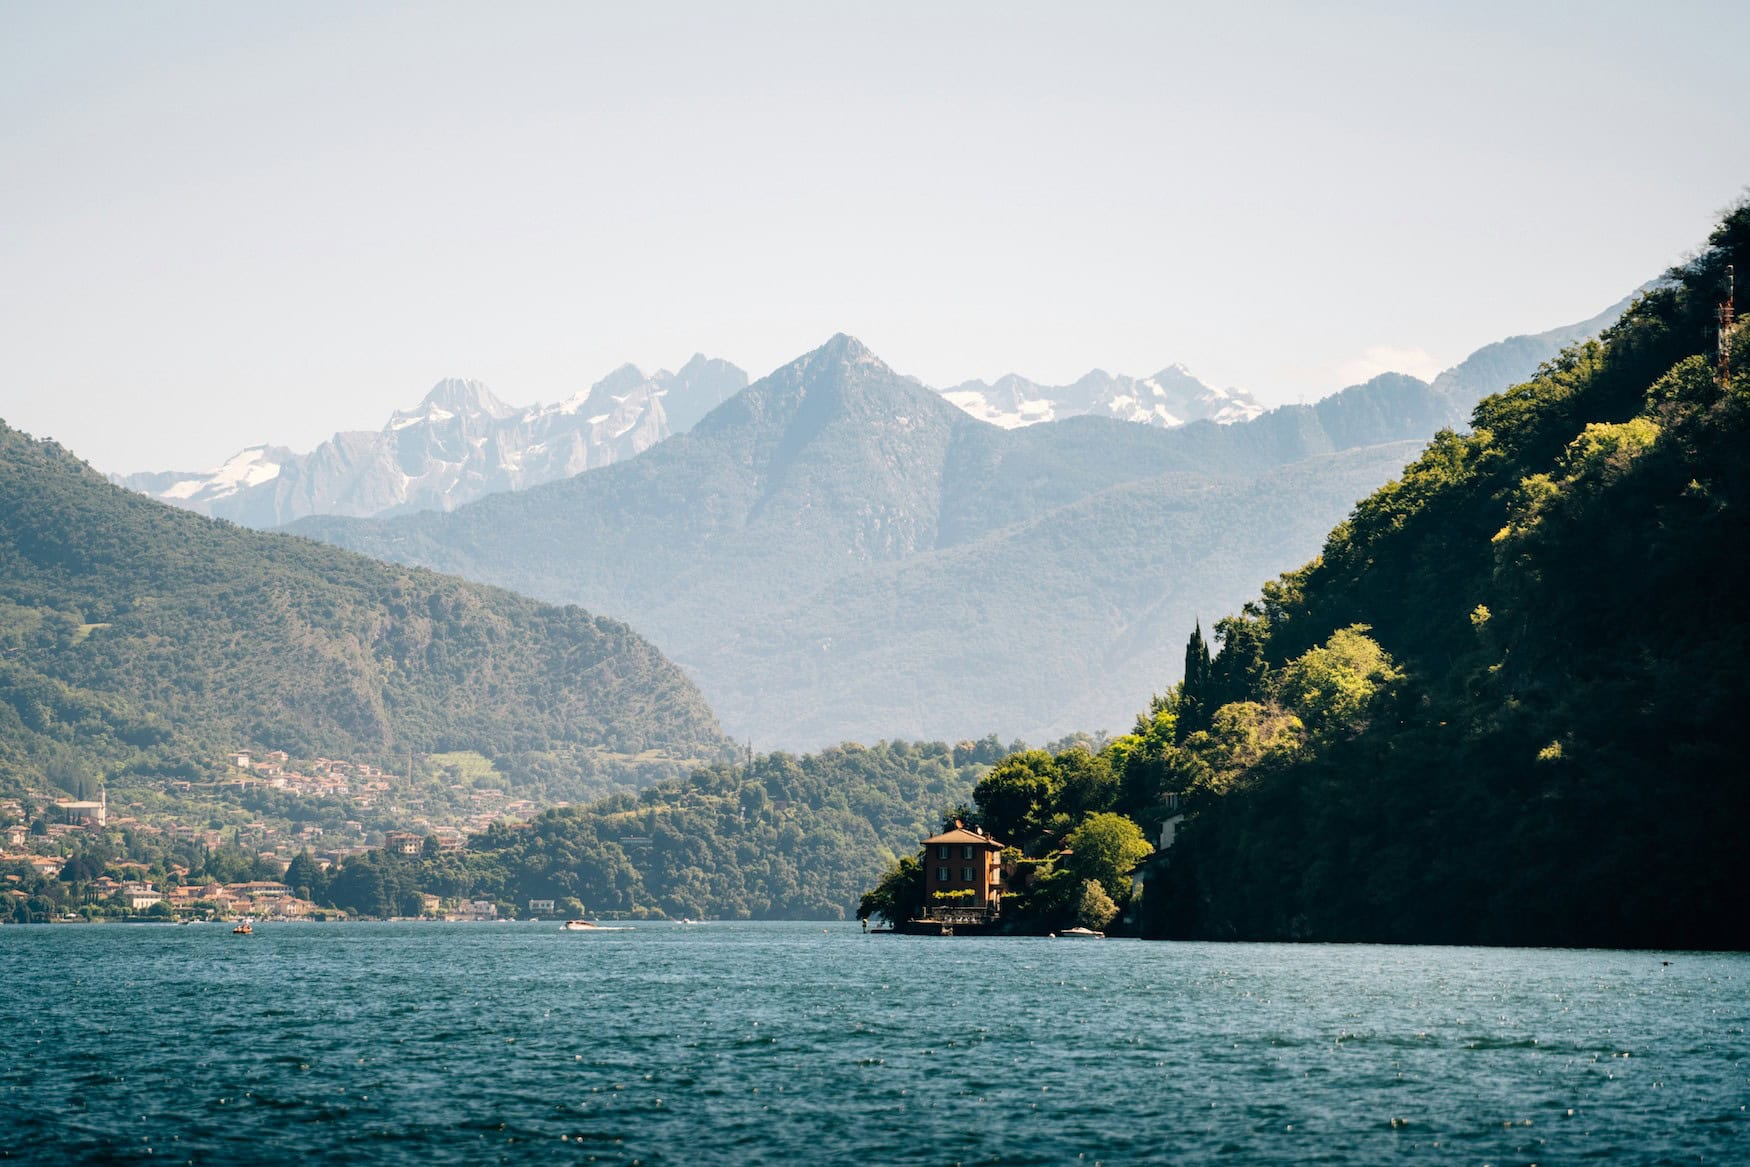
(1504, 705)
(140, 639)
(799, 550)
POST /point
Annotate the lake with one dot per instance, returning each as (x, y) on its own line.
(759, 1043)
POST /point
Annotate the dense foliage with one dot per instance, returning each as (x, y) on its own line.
(781, 837)
(1502, 705)
(140, 640)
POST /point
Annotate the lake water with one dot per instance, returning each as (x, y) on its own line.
(764, 1043)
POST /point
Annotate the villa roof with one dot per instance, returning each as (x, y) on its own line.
(962, 835)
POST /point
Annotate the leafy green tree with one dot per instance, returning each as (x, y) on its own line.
(1243, 738)
(1095, 908)
(1334, 687)
(1015, 800)
(1085, 782)
(1106, 848)
(899, 896)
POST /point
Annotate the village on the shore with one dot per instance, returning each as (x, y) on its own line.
(149, 856)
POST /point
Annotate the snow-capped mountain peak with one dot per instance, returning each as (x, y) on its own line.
(1170, 397)
(459, 443)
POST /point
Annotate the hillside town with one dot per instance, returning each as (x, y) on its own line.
(221, 849)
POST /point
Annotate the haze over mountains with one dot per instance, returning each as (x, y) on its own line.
(839, 552)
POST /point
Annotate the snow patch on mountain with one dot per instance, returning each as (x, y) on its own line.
(1171, 397)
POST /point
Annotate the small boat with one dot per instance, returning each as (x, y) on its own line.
(1081, 934)
(244, 929)
(591, 926)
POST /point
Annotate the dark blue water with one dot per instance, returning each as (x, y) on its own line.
(762, 1043)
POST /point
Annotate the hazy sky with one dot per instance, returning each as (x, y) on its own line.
(223, 224)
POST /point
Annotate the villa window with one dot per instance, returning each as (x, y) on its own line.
(941, 875)
(966, 874)
(942, 851)
(966, 851)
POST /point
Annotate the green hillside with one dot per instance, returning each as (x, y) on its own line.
(1503, 705)
(138, 640)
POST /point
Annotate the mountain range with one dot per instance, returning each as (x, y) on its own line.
(838, 552)
(459, 444)
(1171, 397)
(462, 443)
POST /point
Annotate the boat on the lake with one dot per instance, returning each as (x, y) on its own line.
(244, 929)
(1081, 934)
(580, 926)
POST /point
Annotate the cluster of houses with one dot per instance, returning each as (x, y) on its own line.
(470, 810)
(328, 777)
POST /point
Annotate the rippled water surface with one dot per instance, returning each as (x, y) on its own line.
(744, 1043)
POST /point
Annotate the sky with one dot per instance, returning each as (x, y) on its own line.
(223, 224)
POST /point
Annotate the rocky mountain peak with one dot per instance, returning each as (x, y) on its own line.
(458, 395)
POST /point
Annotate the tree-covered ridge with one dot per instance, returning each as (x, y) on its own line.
(1502, 705)
(780, 837)
(136, 639)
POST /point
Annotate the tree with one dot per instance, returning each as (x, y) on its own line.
(1106, 848)
(1194, 696)
(1016, 797)
(305, 877)
(1332, 688)
(1095, 909)
(1242, 737)
(899, 896)
(1086, 782)
(80, 869)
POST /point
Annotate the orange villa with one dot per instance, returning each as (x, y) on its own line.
(962, 860)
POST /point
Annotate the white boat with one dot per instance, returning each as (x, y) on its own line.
(1081, 934)
(588, 926)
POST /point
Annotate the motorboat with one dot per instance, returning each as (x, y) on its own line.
(244, 929)
(591, 926)
(1081, 934)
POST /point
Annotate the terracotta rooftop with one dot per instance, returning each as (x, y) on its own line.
(962, 835)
